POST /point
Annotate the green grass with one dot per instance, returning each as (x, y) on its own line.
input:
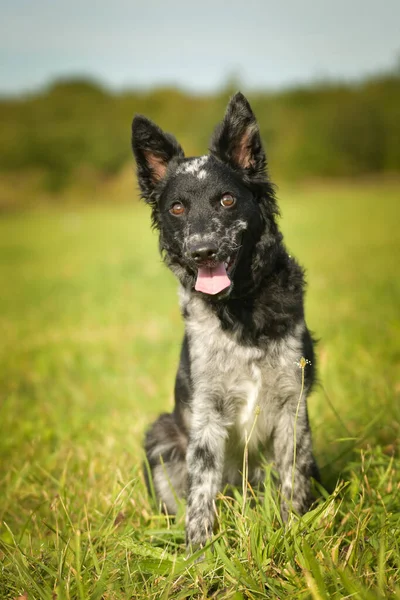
(89, 341)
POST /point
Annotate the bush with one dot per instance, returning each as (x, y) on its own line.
(334, 130)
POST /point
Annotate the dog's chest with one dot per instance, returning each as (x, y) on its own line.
(221, 368)
(253, 383)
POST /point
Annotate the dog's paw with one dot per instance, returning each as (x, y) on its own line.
(198, 533)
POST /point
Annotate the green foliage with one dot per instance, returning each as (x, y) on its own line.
(75, 127)
(90, 335)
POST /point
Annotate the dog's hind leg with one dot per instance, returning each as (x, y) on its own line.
(165, 447)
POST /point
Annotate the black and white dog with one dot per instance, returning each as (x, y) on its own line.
(241, 297)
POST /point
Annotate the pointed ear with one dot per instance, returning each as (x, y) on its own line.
(236, 140)
(153, 150)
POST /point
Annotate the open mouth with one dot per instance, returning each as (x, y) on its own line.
(213, 278)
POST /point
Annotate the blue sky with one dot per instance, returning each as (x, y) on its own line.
(196, 45)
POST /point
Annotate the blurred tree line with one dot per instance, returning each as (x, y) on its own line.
(76, 127)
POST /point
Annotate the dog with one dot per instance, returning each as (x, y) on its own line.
(241, 297)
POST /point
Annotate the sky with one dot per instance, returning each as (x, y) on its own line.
(196, 45)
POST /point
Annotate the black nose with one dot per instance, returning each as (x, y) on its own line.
(203, 252)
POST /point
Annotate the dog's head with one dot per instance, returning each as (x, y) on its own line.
(215, 213)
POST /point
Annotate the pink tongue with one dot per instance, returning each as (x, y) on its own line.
(212, 280)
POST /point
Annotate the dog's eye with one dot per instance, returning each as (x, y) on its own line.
(228, 200)
(177, 209)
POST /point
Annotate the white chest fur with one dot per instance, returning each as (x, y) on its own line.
(244, 376)
(254, 383)
(249, 406)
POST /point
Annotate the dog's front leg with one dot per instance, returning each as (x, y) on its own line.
(205, 463)
(295, 460)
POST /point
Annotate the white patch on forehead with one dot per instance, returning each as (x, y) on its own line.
(194, 166)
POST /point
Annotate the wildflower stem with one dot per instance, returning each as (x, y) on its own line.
(245, 477)
(303, 362)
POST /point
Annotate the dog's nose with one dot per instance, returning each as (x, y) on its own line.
(203, 252)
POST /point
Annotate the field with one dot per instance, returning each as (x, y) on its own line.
(90, 334)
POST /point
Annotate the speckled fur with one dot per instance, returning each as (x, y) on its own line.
(240, 348)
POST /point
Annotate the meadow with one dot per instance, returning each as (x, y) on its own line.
(89, 341)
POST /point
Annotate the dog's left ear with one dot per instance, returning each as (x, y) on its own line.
(237, 141)
(153, 150)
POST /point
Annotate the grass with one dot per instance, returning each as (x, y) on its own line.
(90, 334)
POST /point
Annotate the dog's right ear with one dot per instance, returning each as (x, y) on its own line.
(153, 150)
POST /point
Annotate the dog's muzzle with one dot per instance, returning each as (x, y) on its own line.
(212, 277)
